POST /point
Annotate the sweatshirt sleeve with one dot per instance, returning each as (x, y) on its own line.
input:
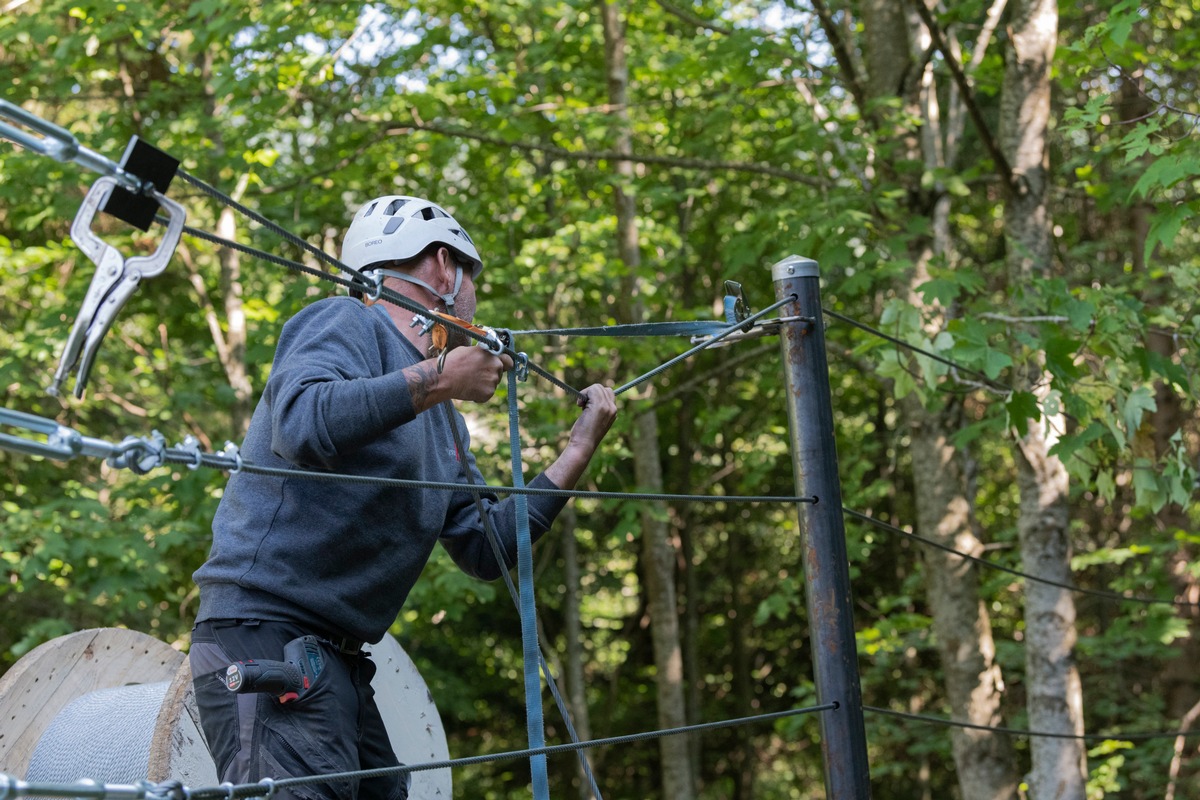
(329, 393)
(465, 537)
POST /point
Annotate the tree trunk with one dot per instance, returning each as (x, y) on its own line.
(231, 345)
(984, 761)
(1054, 694)
(233, 358)
(658, 556)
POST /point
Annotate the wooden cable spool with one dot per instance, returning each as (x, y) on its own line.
(116, 706)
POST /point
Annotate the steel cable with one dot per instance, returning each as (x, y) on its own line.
(1109, 595)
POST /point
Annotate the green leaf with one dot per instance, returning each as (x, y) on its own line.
(995, 362)
(1022, 407)
(1139, 402)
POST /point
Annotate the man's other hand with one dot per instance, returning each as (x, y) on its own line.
(473, 373)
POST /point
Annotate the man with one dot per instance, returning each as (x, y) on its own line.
(354, 389)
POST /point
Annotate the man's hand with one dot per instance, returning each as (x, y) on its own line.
(599, 405)
(473, 373)
(468, 373)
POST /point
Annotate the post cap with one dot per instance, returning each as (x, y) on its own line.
(794, 267)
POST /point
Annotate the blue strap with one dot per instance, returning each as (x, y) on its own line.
(529, 637)
(676, 328)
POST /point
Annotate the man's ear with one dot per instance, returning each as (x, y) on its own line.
(444, 269)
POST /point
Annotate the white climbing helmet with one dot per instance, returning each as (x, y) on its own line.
(397, 228)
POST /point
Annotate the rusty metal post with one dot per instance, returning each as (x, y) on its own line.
(822, 532)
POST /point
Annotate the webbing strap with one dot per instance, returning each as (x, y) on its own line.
(675, 328)
(529, 637)
(502, 560)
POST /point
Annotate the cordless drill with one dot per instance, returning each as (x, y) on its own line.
(288, 680)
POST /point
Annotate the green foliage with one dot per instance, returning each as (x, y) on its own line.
(500, 112)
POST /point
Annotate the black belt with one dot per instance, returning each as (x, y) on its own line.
(345, 645)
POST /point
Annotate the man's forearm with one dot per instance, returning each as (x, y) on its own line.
(569, 467)
(425, 385)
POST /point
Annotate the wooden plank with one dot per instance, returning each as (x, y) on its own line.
(53, 674)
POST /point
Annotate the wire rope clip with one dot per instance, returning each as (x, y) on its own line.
(232, 452)
(191, 447)
(138, 454)
(426, 322)
(114, 283)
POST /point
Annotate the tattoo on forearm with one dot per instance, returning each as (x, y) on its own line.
(422, 379)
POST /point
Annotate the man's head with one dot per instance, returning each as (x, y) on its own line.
(392, 233)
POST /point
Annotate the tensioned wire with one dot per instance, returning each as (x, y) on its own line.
(953, 723)
(1108, 595)
(223, 462)
(259, 789)
(193, 459)
(174, 790)
(218, 461)
(914, 348)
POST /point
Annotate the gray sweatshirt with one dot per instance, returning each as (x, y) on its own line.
(342, 557)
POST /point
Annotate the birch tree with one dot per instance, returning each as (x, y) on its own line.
(1055, 702)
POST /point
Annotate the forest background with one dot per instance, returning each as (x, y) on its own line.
(1010, 186)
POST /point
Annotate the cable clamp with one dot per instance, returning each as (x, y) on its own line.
(172, 789)
(736, 307)
(191, 446)
(232, 452)
(228, 787)
(521, 366)
(138, 454)
(425, 322)
(269, 783)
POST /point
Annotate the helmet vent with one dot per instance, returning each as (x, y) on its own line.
(462, 233)
(370, 209)
(395, 206)
(432, 212)
(392, 224)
